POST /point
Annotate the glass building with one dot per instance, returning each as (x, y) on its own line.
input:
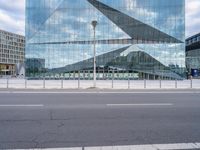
(144, 38)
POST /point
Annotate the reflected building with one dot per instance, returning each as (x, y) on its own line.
(193, 55)
(135, 36)
(35, 66)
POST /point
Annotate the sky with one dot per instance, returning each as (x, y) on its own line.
(12, 16)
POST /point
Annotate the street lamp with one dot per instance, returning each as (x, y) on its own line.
(94, 24)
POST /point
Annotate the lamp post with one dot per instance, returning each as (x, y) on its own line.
(94, 24)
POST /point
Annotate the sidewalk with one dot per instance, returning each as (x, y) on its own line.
(97, 90)
(102, 84)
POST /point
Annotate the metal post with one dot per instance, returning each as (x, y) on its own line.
(74, 75)
(43, 83)
(145, 83)
(176, 84)
(79, 79)
(191, 84)
(128, 81)
(62, 83)
(112, 78)
(7, 83)
(94, 75)
(83, 74)
(25, 83)
(94, 24)
(103, 74)
(160, 83)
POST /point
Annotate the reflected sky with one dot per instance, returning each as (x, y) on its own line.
(69, 20)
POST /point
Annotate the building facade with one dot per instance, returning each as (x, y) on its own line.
(193, 55)
(12, 54)
(144, 38)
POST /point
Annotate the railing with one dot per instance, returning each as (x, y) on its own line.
(109, 83)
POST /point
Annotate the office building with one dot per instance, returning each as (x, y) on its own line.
(141, 37)
(193, 55)
(12, 54)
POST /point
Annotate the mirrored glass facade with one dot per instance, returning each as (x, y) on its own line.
(143, 37)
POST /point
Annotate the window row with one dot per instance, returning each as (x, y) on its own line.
(3, 60)
(193, 40)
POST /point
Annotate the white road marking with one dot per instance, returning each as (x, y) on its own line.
(21, 105)
(198, 144)
(2, 92)
(175, 146)
(151, 104)
(73, 148)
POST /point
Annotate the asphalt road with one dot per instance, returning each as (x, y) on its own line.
(35, 120)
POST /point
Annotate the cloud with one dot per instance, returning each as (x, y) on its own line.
(192, 17)
(12, 16)
(10, 5)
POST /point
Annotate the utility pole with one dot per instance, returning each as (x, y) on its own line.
(94, 24)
